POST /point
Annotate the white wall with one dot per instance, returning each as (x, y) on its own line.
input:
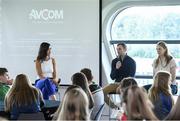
(70, 26)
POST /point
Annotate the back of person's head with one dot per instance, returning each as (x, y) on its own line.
(43, 49)
(126, 82)
(81, 80)
(21, 92)
(161, 85)
(138, 105)
(87, 73)
(21, 82)
(3, 71)
(56, 114)
(74, 105)
(175, 112)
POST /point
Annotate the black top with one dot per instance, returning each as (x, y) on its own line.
(127, 69)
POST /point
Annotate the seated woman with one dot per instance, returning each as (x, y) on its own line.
(137, 105)
(22, 97)
(46, 71)
(160, 94)
(80, 79)
(95, 89)
(74, 105)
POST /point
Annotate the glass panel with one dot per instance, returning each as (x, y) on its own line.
(142, 82)
(147, 23)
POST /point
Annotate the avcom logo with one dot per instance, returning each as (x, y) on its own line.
(46, 14)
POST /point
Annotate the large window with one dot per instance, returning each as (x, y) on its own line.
(147, 23)
(141, 28)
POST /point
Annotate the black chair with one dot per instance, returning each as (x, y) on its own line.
(50, 108)
(147, 87)
(31, 116)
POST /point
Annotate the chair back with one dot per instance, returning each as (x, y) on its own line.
(5, 115)
(31, 116)
(97, 112)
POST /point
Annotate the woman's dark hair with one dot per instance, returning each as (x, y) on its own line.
(43, 51)
(80, 79)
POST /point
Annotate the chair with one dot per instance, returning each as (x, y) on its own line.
(50, 108)
(116, 99)
(97, 112)
(147, 87)
(31, 116)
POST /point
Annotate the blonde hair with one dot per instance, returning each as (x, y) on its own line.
(139, 106)
(166, 54)
(74, 105)
(21, 93)
(161, 84)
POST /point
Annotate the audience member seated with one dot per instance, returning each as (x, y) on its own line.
(175, 112)
(125, 83)
(160, 94)
(4, 77)
(95, 89)
(137, 105)
(74, 105)
(4, 82)
(80, 79)
(22, 97)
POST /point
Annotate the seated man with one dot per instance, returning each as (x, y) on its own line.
(4, 82)
(4, 77)
(121, 67)
(95, 89)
